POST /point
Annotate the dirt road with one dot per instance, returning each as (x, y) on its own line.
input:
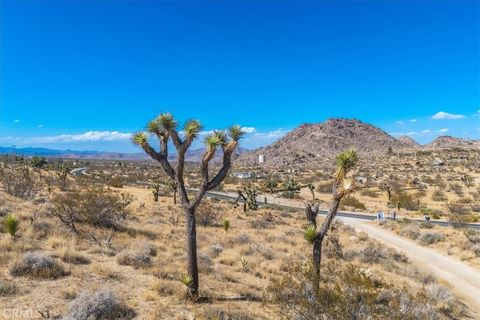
(463, 280)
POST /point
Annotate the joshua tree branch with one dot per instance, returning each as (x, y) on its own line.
(222, 173)
(161, 157)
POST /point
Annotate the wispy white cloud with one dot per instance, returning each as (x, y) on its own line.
(426, 131)
(413, 120)
(442, 130)
(447, 116)
(16, 121)
(89, 136)
(248, 129)
(400, 122)
(40, 126)
(278, 133)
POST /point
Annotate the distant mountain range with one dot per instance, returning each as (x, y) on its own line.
(193, 155)
(307, 144)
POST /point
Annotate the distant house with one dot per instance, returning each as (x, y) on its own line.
(261, 158)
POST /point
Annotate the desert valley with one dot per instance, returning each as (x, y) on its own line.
(109, 240)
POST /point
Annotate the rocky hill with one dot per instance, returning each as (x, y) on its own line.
(409, 142)
(320, 142)
(448, 142)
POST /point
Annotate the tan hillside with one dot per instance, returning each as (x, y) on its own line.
(408, 141)
(314, 143)
(445, 142)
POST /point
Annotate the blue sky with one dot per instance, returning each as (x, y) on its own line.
(82, 75)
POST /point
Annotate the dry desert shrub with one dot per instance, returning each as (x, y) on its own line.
(410, 230)
(20, 182)
(345, 292)
(137, 257)
(207, 215)
(431, 237)
(38, 266)
(350, 292)
(7, 288)
(374, 253)
(72, 257)
(214, 313)
(96, 207)
(352, 202)
(99, 305)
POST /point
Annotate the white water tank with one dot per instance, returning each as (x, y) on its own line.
(261, 158)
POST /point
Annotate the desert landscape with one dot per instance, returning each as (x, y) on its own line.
(239, 160)
(109, 240)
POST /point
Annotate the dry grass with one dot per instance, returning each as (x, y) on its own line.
(144, 261)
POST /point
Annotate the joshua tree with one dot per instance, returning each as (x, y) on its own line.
(343, 184)
(271, 185)
(164, 127)
(290, 188)
(173, 185)
(62, 173)
(311, 187)
(155, 190)
(249, 196)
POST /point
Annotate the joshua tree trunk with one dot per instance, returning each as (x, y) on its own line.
(341, 187)
(317, 259)
(192, 266)
(165, 128)
(317, 244)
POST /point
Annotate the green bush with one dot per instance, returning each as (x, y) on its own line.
(11, 225)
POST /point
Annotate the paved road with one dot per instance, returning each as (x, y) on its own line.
(463, 279)
(78, 171)
(296, 205)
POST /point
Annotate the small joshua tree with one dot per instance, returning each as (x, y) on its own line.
(343, 184)
(271, 185)
(62, 173)
(311, 187)
(155, 186)
(249, 195)
(173, 185)
(11, 224)
(164, 127)
(290, 188)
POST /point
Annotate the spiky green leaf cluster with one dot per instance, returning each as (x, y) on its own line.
(235, 132)
(215, 139)
(187, 280)
(347, 159)
(310, 233)
(192, 129)
(11, 225)
(139, 138)
(226, 225)
(166, 121)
